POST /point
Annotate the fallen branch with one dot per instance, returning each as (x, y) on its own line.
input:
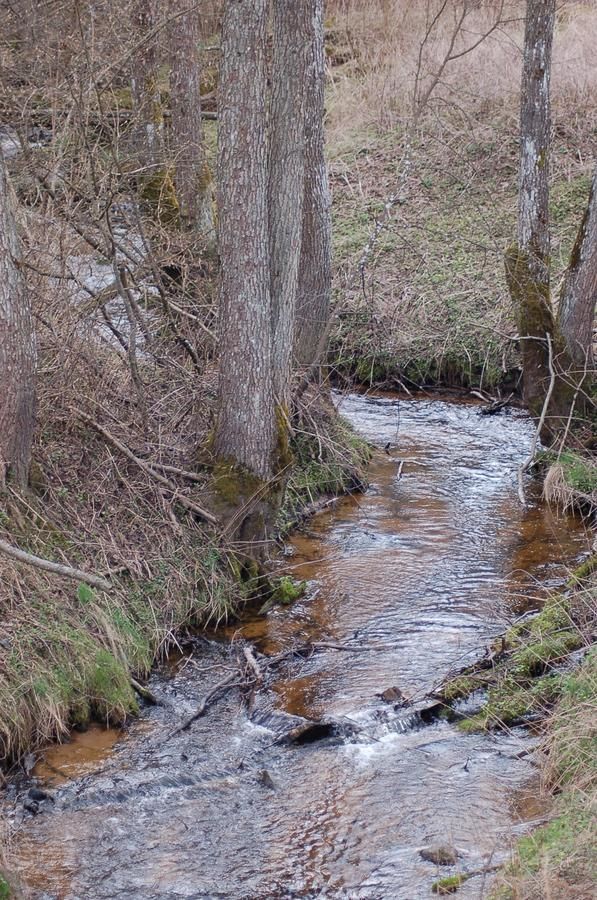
(56, 568)
(144, 692)
(147, 468)
(253, 664)
(226, 683)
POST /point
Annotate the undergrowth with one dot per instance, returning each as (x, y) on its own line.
(68, 652)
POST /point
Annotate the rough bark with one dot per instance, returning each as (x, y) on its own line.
(17, 348)
(245, 433)
(145, 91)
(535, 127)
(315, 270)
(193, 178)
(292, 24)
(579, 293)
(527, 264)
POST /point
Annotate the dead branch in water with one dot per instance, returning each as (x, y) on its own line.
(225, 684)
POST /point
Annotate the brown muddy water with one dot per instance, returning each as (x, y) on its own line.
(415, 576)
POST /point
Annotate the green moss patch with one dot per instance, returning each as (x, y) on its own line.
(449, 884)
(519, 681)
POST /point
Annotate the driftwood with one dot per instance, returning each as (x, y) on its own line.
(56, 568)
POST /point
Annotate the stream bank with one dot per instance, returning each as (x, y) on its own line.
(414, 578)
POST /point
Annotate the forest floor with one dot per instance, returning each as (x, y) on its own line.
(432, 306)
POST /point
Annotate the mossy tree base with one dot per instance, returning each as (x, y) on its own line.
(531, 297)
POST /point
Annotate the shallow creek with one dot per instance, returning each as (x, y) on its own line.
(416, 576)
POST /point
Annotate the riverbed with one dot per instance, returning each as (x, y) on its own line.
(412, 579)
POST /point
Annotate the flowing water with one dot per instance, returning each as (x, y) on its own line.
(414, 577)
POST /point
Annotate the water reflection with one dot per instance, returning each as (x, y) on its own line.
(422, 570)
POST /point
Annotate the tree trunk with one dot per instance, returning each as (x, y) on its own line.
(156, 187)
(527, 265)
(579, 292)
(245, 434)
(17, 349)
(144, 89)
(292, 24)
(193, 178)
(315, 268)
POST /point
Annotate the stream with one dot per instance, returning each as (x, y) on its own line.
(414, 577)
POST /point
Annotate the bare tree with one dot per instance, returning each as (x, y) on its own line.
(17, 348)
(291, 34)
(245, 432)
(193, 178)
(579, 294)
(315, 269)
(527, 264)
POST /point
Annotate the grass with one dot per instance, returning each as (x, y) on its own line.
(431, 305)
(68, 652)
(523, 679)
(557, 860)
(449, 884)
(329, 460)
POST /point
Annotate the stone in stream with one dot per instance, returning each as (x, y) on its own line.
(392, 695)
(31, 806)
(441, 855)
(266, 779)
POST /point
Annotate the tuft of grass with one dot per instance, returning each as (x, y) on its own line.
(522, 681)
(557, 859)
(449, 884)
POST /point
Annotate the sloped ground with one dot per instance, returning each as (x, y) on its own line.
(432, 304)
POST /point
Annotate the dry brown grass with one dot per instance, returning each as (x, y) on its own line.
(395, 51)
(431, 304)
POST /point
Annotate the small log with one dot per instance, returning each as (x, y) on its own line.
(144, 692)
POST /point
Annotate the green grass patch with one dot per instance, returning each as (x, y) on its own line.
(521, 682)
(449, 884)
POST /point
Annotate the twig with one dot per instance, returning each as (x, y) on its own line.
(57, 568)
(252, 663)
(191, 476)
(147, 468)
(227, 682)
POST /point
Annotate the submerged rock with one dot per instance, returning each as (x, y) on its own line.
(392, 695)
(440, 855)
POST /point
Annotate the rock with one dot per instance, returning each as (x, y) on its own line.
(392, 695)
(266, 779)
(38, 795)
(441, 855)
